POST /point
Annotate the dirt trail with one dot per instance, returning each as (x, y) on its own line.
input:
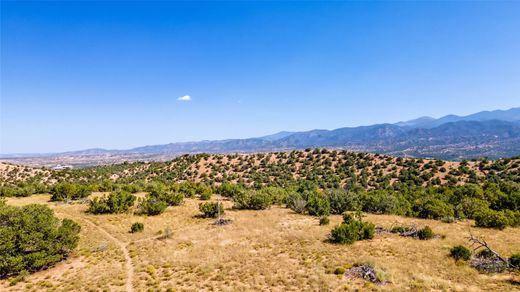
(129, 267)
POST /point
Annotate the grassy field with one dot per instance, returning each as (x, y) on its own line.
(274, 250)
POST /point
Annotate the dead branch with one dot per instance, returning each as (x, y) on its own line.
(478, 242)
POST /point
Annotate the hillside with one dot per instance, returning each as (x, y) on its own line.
(14, 173)
(336, 168)
(277, 210)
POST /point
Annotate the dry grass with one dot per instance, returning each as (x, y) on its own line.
(273, 250)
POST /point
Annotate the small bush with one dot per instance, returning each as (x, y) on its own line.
(324, 220)
(137, 227)
(460, 252)
(229, 190)
(339, 271)
(116, 202)
(491, 219)
(151, 206)
(169, 197)
(206, 194)
(252, 200)
(317, 204)
(66, 191)
(399, 229)
(347, 217)
(514, 261)
(425, 233)
(348, 233)
(432, 208)
(485, 253)
(210, 209)
(342, 201)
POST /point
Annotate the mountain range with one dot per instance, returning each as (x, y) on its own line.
(494, 134)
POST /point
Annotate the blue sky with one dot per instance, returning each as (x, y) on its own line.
(77, 75)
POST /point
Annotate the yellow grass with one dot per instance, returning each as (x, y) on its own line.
(270, 250)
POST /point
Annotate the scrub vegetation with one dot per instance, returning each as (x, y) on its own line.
(320, 214)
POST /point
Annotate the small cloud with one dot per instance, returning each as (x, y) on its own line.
(184, 98)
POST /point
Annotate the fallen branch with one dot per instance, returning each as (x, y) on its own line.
(478, 242)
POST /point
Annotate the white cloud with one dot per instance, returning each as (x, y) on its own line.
(184, 98)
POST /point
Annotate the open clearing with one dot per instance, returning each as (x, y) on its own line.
(274, 249)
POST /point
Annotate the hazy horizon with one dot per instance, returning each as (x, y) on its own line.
(226, 138)
(119, 75)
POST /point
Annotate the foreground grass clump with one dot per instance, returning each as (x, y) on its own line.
(32, 238)
(210, 209)
(352, 230)
(137, 227)
(116, 202)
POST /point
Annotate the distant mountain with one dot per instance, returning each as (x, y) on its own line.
(416, 123)
(510, 115)
(277, 136)
(494, 134)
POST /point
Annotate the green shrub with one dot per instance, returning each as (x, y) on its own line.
(206, 194)
(472, 206)
(348, 217)
(137, 227)
(132, 188)
(384, 202)
(317, 204)
(485, 253)
(491, 219)
(348, 233)
(252, 200)
(399, 229)
(324, 220)
(229, 190)
(115, 202)
(67, 191)
(460, 252)
(425, 233)
(432, 208)
(342, 201)
(278, 195)
(32, 238)
(151, 206)
(210, 209)
(513, 217)
(172, 198)
(514, 261)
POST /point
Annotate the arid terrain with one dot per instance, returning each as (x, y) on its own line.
(272, 245)
(268, 250)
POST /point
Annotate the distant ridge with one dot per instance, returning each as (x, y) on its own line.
(494, 134)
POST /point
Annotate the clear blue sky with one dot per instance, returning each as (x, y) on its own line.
(78, 75)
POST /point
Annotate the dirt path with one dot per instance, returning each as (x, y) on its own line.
(129, 267)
